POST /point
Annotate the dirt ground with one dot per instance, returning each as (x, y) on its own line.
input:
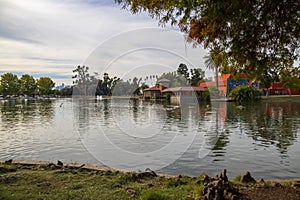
(276, 192)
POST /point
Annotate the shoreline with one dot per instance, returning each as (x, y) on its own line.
(279, 97)
(77, 166)
(21, 179)
(104, 168)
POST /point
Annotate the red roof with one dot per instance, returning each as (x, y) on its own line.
(277, 86)
(187, 88)
(213, 83)
(154, 88)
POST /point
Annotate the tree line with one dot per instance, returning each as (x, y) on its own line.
(184, 77)
(86, 84)
(11, 84)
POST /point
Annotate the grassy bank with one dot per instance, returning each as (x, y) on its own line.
(55, 181)
(45, 182)
(281, 98)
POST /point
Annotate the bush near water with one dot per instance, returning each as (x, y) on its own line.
(245, 93)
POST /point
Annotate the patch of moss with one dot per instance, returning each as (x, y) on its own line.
(237, 179)
(43, 182)
(153, 195)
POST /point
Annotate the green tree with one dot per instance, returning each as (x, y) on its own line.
(213, 62)
(9, 84)
(254, 35)
(85, 84)
(266, 82)
(107, 85)
(183, 70)
(197, 75)
(182, 77)
(45, 85)
(82, 75)
(266, 79)
(290, 79)
(66, 92)
(81, 79)
(121, 88)
(245, 93)
(28, 84)
(173, 77)
(135, 85)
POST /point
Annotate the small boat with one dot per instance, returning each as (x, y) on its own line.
(99, 97)
(172, 108)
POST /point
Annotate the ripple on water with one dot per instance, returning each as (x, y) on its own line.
(261, 138)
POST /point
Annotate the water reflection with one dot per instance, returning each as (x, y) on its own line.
(22, 112)
(190, 139)
(28, 111)
(243, 138)
(137, 131)
(81, 108)
(216, 137)
(45, 110)
(269, 123)
(21, 123)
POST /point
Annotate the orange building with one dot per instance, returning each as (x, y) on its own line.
(222, 82)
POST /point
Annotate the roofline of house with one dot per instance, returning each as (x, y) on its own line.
(177, 89)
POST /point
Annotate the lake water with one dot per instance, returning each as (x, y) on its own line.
(262, 138)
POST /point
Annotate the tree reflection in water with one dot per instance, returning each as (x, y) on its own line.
(26, 111)
(271, 123)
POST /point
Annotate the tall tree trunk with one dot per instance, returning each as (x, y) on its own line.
(217, 77)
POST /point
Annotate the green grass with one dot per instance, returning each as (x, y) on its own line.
(237, 179)
(286, 184)
(19, 181)
(153, 195)
(40, 182)
(282, 98)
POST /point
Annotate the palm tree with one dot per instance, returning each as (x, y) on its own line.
(213, 62)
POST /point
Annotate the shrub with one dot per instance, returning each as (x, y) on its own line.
(175, 183)
(206, 96)
(245, 94)
(168, 97)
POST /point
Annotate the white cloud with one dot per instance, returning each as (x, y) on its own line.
(50, 37)
(152, 50)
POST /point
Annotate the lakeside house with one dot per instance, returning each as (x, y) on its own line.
(194, 94)
(187, 94)
(278, 88)
(155, 92)
(222, 81)
(227, 83)
(177, 95)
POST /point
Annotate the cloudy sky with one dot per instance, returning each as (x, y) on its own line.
(52, 37)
